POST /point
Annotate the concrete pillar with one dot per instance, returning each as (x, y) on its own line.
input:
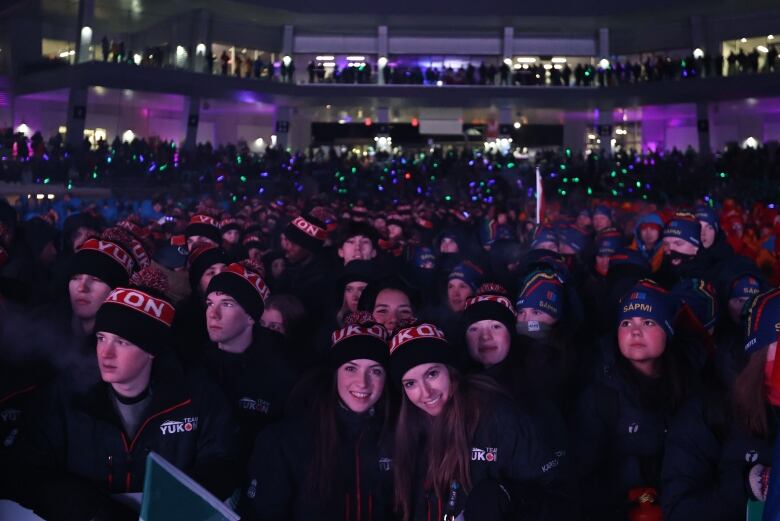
(703, 127)
(574, 132)
(282, 125)
(193, 118)
(288, 40)
(200, 43)
(77, 116)
(508, 43)
(698, 33)
(382, 51)
(603, 43)
(85, 30)
(383, 115)
(603, 120)
(506, 119)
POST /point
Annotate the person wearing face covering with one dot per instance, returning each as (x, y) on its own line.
(682, 251)
(720, 447)
(546, 326)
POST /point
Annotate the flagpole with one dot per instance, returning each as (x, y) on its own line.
(539, 196)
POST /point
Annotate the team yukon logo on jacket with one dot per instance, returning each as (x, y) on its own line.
(252, 405)
(10, 415)
(385, 464)
(177, 426)
(489, 454)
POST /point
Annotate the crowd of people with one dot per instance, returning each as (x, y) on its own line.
(436, 172)
(435, 353)
(645, 68)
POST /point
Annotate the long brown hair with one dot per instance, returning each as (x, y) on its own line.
(326, 435)
(446, 437)
(748, 397)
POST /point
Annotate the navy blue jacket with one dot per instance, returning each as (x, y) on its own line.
(617, 435)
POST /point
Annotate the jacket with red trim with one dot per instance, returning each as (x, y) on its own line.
(78, 454)
(279, 484)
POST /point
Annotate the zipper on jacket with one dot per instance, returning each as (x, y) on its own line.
(110, 463)
(357, 476)
(346, 506)
(129, 447)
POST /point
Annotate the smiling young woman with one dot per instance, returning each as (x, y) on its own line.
(461, 446)
(331, 462)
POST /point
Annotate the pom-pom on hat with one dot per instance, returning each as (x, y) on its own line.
(543, 291)
(308, 232)
(204, 226)
(105, 260)
(419, 344)
(360, 338)
(763, 320)
(245, 285)
(684, 226)
(130, 244)
(138, 315)
(648, 300)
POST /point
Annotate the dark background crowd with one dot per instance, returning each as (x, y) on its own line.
(328, 335)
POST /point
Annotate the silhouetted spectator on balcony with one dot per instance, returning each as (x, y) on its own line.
(470, 74)
(504, 71)
(566, 75)
(271, 70)
(311, 69)
(771, 59)
(257, 67)
(579, 75)
(291, 72)
(752, 60)
(209, 66)
(387, 74)
(121, 51)
(225, 59)
(482, 73)
(237, 66)
(105, 47)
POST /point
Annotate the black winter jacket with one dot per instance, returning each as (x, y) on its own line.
(278, 483)
(256, 382)
(78, 453)
(508, 451)
(706, 463)
(617, 435)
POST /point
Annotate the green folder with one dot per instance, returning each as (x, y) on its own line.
(170, 494)
(755, 510)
